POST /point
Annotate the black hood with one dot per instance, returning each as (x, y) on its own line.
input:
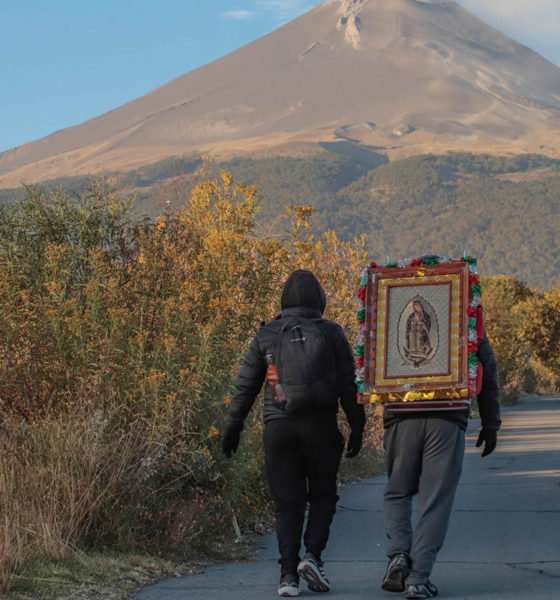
(303, 289)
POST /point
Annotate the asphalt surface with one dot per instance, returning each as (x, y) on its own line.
(503, 541)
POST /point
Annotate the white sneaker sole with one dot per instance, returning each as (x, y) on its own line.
(288, 592)
(315, 581)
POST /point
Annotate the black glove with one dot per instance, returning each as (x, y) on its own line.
(489, 437)
(230, 441)
(354, 443)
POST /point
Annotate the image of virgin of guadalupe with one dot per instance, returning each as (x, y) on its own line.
(418, 348)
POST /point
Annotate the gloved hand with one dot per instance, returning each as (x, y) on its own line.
(230, 441)
(489, 438)
(354, 443)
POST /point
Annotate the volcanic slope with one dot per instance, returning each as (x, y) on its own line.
(400, 77)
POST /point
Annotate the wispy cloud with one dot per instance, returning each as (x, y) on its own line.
(535, 19)
(238, 15)
(535, 24)
(285, 10)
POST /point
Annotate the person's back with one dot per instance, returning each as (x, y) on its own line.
(424, 458)
(303, 445)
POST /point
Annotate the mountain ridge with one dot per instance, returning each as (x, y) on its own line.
(401, 77)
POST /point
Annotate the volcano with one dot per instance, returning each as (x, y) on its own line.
(399, 77)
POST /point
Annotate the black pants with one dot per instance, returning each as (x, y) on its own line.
(302, 457)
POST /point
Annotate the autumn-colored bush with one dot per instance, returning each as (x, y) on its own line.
(523, 325)
(120, 339)
(539, 328)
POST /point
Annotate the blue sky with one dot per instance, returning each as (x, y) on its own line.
(65, 61)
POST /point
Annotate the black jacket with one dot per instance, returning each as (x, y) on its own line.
(488, 399)
(302, 297)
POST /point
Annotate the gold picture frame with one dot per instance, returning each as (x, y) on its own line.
(416, 333)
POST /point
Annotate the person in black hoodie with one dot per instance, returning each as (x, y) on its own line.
(302, 449)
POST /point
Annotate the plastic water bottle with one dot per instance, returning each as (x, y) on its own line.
(278, 395)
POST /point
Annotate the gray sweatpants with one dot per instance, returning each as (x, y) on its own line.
(424, 456)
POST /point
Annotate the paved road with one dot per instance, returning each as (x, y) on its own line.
(503, 541)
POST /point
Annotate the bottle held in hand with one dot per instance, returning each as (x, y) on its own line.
(278, 395)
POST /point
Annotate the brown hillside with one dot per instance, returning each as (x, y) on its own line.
(404, 76)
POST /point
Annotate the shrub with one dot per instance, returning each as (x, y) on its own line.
(121, 338)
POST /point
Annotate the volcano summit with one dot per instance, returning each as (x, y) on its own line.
(401, 76)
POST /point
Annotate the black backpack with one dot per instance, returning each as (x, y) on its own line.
(306, 366)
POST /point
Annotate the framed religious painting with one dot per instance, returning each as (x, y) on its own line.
(419, 332)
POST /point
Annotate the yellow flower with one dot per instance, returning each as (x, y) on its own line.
(227, 178)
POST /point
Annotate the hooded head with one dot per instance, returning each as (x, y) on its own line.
(303, 289)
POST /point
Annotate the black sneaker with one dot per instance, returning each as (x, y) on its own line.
(397, 571)
(311, 570)
(289, 586)
(419, 591)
